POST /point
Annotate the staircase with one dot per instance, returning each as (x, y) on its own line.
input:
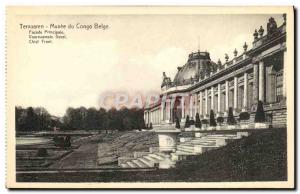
(146, 161)
(193, 146)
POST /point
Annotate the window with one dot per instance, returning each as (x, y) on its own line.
(279, 84)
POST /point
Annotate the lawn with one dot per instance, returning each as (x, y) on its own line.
(259, 157)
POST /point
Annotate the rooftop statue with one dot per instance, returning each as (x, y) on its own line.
(271, 26)
(166, 80)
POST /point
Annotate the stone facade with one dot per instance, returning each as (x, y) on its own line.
(202, 85)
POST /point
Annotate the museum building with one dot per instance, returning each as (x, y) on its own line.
(201, 85)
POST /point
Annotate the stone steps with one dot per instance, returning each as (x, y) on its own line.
(185, 149)
(190, 147)
(148, 163)
(202, 140)
(125, 165)
(139, 163)
(154, 160)
(200, 143)
(131, 164)
(145, 161)
(159, 157)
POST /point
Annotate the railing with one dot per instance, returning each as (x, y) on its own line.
(268, 37)
(239, 58)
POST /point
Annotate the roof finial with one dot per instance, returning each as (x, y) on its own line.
(245, 47)
(235, 52)
(226, 57)
(261, 31)
(284, 18)
(255, 34)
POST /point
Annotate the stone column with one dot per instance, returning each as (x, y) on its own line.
(235, 94)
(255, 83)
(219, 98)
(153, 117)
(226, 97)
(147, 119)
(167, 111)
(171, 109)
(200, 103)
(162, 106)
(158, 116)
(182, 108)
(212, 94)
(206, 102)
(261, 92)
(195, 106)
(245, 100)
(284, 74)
(191, 107)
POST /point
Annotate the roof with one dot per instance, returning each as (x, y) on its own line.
(196, 65)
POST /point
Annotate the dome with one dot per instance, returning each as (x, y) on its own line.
(198, 63)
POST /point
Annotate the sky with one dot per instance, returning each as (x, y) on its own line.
(129, 56)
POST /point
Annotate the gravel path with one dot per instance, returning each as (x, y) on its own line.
(83, 157)
(104, 150)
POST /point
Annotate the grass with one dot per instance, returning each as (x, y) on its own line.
(259, 157)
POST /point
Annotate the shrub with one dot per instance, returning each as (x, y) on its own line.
(177, 123)
(204, 121)
(260, 113)
(244, 116)
(198, 122)
(42, 152)
(58, 141)
(212, 120)
(67, 141)
(192, 122)
(220, 119)
(230, 118)
(187, 122)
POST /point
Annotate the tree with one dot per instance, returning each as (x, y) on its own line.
(43, 118)
(70, 119)
(230, 118)
(82, 111)
(102, 121)
(260, 113)
(35, 119)
(87, 119)
(114, 121)
(212, 120)
(187, 122)
(140, 119)
(20, 116)
(198, 121)
(220, 119)
(31, 120)
(92, 119)
(177, 122)
(127, 123)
